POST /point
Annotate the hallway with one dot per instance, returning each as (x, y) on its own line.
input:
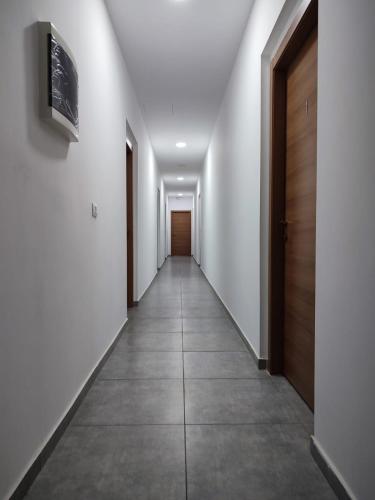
(181, 404)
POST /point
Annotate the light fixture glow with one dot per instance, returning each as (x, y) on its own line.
(180, 178)
(181, 145)
(180, 195)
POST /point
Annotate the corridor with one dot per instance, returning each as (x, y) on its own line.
(180, 410)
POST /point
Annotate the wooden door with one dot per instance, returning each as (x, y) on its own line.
(300, 220)
(181, 233)
(129, 223)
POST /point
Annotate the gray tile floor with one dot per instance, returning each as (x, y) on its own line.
(180, 411)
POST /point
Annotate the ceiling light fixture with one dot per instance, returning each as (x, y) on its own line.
(180, 195)
(181, 145)
(180, 178)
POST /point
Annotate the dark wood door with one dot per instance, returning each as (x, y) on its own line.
(129, 225)
(181, 233)
(300, 220)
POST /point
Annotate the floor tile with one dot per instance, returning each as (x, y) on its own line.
(138, 342)
(208, 325)
(129, 402)
(204, 311)
(166, 290)
(221, 365)
(113, 463)
(230, 342)
(197, 293)
(236, 402)
(201, 301)
(156, 312)
(305, 415)
(256, 462)
(133, 365)
(148, 325)
(157, 300)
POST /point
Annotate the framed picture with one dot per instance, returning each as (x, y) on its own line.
(59, 92)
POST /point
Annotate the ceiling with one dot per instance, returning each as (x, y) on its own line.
(179, 54)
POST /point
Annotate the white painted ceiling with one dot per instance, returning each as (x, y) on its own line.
(180, 54)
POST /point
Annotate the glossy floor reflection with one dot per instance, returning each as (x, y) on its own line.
(180, 411)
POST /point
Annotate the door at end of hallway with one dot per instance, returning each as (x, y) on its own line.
(181, 233)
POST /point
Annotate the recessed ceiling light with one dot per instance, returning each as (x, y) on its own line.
(180, 178)
(180, 195)
(181, 145)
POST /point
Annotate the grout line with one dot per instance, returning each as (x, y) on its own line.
(221, 424)
(128, 425)
(155, 352)
(183, 388)
(138, 378)
(266, 378)
(177, 317)
(207, 352)
(229, 378)
(125, 351)
(227, 424)
(129, 334)
(153, 333)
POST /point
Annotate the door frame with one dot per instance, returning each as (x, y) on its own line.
(305, 21)
(191, 227)
(166, 249)
(131, 141)
(200, 228)
(158, 228)
(129, 224)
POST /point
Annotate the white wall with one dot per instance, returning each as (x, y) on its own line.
(148, 182)
(62, 273)
(345, 312)
(185, 203)
(231, 182)
(163, 250)
(198, 222)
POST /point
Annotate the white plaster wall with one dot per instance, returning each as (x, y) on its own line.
(231, 182)
(148, 182)
(162, 223)
(185, 203)
(62, 273)
(198, 222)
(345, 305)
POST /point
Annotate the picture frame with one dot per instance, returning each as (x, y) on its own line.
(59, 83)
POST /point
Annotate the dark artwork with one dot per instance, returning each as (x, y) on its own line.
(62, 82)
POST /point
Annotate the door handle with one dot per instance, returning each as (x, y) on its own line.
(285, 223)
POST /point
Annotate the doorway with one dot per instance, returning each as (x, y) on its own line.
(181, 233)
(293, 205)
(200, 229)
(129, 225)
(158, 242)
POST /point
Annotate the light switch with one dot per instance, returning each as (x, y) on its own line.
(94, 210)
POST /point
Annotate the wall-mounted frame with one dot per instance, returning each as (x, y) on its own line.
(59, 82)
